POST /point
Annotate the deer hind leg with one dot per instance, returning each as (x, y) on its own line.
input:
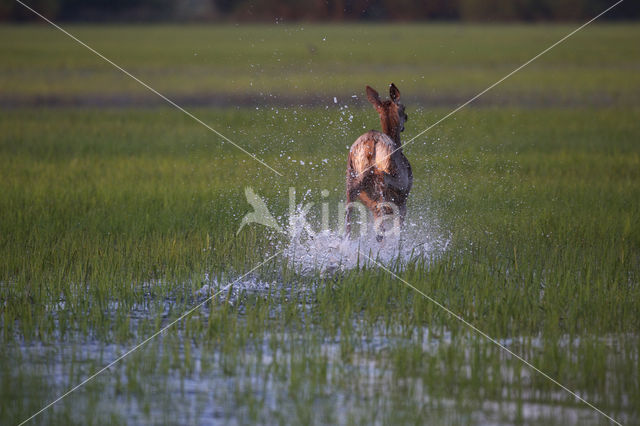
(402, 208)
(365, 204)
(378, 225)
(351, 198)
(385, 212)
(353, 195)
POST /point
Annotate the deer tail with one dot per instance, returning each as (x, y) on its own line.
(371, 150)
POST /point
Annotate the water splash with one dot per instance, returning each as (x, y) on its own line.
(330, 250)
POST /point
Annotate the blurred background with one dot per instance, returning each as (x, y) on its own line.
(319, 10)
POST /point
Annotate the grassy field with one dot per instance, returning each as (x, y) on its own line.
(436, 61)
(112, 218)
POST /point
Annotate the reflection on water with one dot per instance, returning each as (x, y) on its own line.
(283, 374)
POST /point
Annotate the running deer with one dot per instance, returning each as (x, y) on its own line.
(378, 173)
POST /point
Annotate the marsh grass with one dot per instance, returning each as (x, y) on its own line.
(111, 220)
(107, 240)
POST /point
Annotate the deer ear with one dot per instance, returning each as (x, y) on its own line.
(373, 97)
(394, 93)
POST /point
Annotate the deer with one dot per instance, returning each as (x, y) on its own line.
(378, 173)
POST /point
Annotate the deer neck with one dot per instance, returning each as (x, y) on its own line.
(392, 130)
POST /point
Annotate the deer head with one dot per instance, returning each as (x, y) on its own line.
(392, 115)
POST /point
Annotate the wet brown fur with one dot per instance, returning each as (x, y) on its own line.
(375, 173)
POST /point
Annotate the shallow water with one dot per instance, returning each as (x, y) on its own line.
(287, 373)
(294, 380)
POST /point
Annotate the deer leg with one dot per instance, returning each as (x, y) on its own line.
(352, 196)
(388, 211)
(380, 213)
(403, 212)
(378, 224)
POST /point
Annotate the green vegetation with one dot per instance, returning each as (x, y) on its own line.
(111, 219)
(431, 62)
